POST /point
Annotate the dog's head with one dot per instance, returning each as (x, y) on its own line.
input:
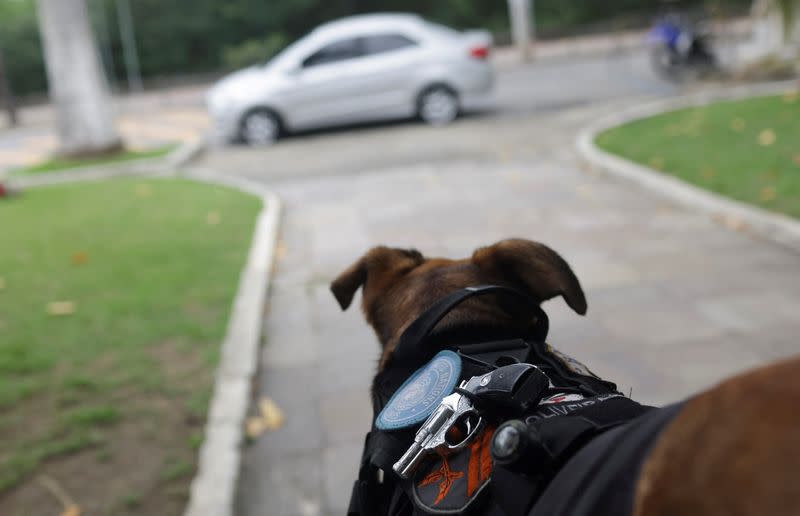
(399, 284)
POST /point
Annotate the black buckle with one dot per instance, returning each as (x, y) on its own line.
(497, 353)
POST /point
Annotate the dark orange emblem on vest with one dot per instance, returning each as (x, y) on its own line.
(451, 483)
(445, 477)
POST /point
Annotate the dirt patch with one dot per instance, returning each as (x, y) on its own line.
(141, 464)
(178, 361)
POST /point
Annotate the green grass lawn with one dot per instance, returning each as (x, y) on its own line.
(56, 164)
(116, 375)
(748, 150)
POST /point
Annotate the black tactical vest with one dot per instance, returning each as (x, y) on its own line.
(577, 407)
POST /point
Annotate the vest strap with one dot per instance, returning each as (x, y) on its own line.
(409, 345)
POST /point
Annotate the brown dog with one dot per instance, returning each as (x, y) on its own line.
(733, 450)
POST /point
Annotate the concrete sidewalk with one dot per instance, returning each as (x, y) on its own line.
(676, 302)
(146, 121)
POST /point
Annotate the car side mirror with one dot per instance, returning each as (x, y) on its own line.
(294, 70)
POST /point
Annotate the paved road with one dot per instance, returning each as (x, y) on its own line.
(676, 302)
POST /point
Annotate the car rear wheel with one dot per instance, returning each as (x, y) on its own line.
(438, 105)
(260, 127)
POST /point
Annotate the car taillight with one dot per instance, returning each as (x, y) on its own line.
(479, 52)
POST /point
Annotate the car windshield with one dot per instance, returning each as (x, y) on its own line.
(288, 54)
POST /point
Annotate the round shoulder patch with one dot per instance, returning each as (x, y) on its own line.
(416, 399)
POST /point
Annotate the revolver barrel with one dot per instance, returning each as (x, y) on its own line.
(414, 455)
(409, 461)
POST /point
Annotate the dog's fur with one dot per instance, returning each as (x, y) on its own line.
(734, 450)
(400, 284)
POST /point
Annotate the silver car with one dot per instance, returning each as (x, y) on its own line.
(357, 69)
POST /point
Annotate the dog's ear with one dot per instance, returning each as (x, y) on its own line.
(378, 266)
(535, 267)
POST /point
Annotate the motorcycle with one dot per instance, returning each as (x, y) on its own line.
(679, 50)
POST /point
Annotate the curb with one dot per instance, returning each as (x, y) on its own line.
(186, 152)
(734, 214)
(213, 490)
(139, 167)
(163, 165)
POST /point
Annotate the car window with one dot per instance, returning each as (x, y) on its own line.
(380, 43)
(442, 30)
(336, 51)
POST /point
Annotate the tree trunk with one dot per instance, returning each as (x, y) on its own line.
(78, 87)
(6, 95)
(519, 12)
(776, 30)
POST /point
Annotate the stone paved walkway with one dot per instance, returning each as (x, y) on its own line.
(676, 302)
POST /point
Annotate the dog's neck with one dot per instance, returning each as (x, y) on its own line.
(453, 336)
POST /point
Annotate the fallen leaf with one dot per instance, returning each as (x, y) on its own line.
(790, 97)
(708, 173)
(796, 159)
(738, 124)
(656, 162)
(280, 250)
(72, 510)
(144, 190)
(766, 137)
(80, 258)
(270, 418)
(61, 308)
(270, 413)
(734, 223)
(58, 492)
(254, 427)
(767, 193)
(2, 283)
(213, 218)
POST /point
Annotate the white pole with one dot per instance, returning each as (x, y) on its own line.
(520, 14)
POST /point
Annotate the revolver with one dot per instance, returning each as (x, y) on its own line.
(507, 390)
(449, 428)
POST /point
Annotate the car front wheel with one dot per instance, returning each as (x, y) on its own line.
(260, 127)
(438, 105)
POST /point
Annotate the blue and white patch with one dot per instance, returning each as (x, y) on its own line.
(417, 398)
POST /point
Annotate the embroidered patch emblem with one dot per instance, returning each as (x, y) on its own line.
(416, 399)
(450, 484)
(444, 478)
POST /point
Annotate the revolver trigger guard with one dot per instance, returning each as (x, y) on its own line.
(471, 433)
